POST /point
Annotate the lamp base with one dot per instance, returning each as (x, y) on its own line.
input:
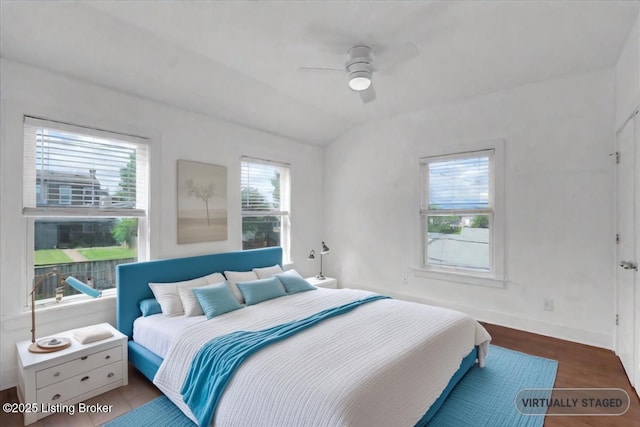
(49, 345)
(320, 277)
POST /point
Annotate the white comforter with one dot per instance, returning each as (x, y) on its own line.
(382, 364)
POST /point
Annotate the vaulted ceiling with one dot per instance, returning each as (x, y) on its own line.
(239, 60)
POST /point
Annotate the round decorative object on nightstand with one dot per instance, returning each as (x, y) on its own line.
(49, 345)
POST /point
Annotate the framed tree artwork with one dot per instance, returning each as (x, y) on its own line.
(202, 202)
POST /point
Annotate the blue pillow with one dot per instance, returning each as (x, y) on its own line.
(294, 283)
(216, 299)
(150, 306)
(260, 290)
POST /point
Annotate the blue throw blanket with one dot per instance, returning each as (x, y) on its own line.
(216, 362)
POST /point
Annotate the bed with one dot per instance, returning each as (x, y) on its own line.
(359, 366)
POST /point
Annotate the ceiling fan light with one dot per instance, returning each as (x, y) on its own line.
(359, 81)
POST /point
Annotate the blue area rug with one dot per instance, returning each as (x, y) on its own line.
(486, 396)
(483, 398)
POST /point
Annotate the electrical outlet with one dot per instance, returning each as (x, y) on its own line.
(548, 304)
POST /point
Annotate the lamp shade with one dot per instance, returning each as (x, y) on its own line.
(81, 287)
(325, 249)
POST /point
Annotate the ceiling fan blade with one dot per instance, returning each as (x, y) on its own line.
(368, 95)
(388, 59)
(321, 69)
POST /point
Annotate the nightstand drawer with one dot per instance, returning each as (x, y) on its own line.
(80, 384)
(77, 366)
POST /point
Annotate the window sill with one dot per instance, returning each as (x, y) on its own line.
(68, 308)
(71, 301)
(467, 279)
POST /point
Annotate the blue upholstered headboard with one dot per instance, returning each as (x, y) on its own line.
(133, 279)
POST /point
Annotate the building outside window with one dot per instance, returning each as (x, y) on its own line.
(265, 189)
(85, 202)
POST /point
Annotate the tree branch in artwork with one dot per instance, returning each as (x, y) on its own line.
(203, 192)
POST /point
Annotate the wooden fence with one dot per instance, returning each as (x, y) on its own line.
(97, 274)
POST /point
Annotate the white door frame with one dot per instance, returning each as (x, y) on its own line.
(636, 380)
(627, 334)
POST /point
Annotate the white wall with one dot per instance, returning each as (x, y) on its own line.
(558, 199)
(628, 76)
(176, 134)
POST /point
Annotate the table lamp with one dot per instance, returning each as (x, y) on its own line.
(54, 344)
(312, 256)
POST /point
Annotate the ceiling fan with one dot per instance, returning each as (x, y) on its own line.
(361, 65)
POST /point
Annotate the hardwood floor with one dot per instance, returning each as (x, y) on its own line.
(578, 366)
(138, 392)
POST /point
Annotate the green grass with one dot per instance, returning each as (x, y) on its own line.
(112, 252)
(51, 256)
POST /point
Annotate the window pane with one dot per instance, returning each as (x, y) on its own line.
(459, 183)
(458, 241)
(261, 187)
(68, 167)
(265, 197)
(86, 248)
(261, 231)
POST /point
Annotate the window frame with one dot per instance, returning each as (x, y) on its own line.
(495, 277)
(285, 204)
(31, 214)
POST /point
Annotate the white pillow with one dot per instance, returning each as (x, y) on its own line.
(169, 298)
(189, 300)
(239, 276)
(266, 272)
(214, 278)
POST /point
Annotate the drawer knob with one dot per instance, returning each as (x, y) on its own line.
(84, 378)
(57, 374)
(56, 397)
(107, 357)
(84, 357)
(110, 374)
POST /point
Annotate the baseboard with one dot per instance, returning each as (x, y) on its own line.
(512, 321)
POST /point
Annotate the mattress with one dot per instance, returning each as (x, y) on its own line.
(382, 364)
(156, 332)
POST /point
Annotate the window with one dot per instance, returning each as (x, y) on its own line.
(265, 187)
(64, 195)
(85, 200)
(459, 216)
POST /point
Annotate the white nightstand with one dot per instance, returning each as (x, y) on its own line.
(49, 381)
(328, 282)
